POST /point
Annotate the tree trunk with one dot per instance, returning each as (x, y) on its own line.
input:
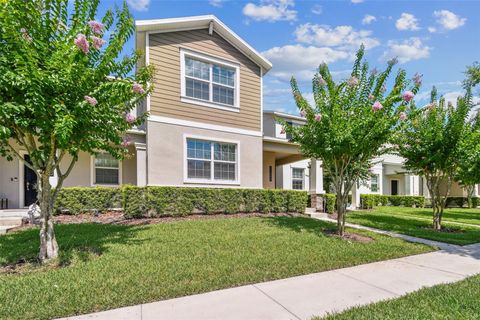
(470, 194)
(340, 213)
(48, 242)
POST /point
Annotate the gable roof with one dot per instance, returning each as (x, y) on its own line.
(205, 22)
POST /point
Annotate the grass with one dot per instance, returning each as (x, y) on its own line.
(417, 222)
(451, 301)
(139, 264)
(459, 215)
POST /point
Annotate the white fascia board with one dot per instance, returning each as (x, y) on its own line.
(203, 22)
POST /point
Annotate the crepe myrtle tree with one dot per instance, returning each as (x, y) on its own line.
(430, 142)
(350, 123)
(64, 90)
(468, 161)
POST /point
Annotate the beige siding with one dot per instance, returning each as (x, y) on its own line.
(164, 54)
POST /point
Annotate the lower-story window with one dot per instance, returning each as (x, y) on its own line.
(374, 183)
(298, 177)
(107, 169)
(211, 160)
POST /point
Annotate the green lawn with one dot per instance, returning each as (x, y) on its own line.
(140, 264)
(460, 215)
(417, 222)
(453, 301)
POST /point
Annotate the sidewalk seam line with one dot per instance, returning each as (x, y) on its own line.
(368, 284)
(277, 302)
(432, 268)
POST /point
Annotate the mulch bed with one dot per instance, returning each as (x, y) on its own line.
(350, 236)
(445, 230)
(117, 217)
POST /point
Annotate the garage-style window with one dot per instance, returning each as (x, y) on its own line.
(211, 161)
(207, 81)
(107, 169)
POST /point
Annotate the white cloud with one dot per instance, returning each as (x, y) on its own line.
(407, 50)
(301, 61)
(449, 20)
(368, 18)
(357, 1)
(432, 29)
(271, 10)
(343, 37)
(216, 3)
(407, 21)
(317, 9)
(139, 5)
(452, 96)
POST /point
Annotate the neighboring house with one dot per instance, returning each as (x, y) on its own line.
(206, 124)
(389, 177)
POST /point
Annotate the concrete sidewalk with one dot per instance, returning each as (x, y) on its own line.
(314, 294)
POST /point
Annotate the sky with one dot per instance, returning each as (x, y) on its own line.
(435, 38)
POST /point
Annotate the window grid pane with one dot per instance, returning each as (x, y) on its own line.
(197, 89)
(199, 84)
(297, 178)
(198, 169)
(224, 171)
(224, 152)
(106, 176)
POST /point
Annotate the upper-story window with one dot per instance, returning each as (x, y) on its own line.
(209, 81)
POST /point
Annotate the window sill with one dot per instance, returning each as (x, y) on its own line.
(209, 104)
(212, 182)
(106, 185)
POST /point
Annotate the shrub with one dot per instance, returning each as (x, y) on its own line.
(461, 202)
(330, 202)
(178, 201)
(368, 201)
(475, 202)
(77, 200)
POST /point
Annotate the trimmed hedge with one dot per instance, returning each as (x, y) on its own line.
(368, 201)
(178, 201)
(330, 202)
(461, 202)
(78, 200)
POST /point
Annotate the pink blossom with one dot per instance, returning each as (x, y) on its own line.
(130, 117)
(408, 95)
(82, 43)
(96, 27)
(126, 142)
(303, 113)
(282, 131)
(97, 42)
(377, 106)
(318, 117)
(137, 88)
(91, 100)
(418, 79)
(353, 81)
(322, 81)
(402, 116)
(371, 97)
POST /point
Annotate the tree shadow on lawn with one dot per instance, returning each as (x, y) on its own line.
(76, 241)
(417, 228)
(453, 214)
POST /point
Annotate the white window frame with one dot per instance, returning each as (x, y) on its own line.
(212, 171)
(210, 60)
(298, 179)
(92, 174)
(378, 182)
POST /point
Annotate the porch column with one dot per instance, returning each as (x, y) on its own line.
(316, 184)
(355, 197)
(141, 150)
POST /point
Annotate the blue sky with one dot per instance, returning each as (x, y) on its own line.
(435, 38)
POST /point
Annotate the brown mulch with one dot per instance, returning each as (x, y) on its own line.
(350, 236)
(117, 217)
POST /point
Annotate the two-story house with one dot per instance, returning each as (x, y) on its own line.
(206, 125)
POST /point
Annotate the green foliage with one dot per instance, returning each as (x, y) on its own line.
(461, 202)
(369, 201)
(175, 201)
(473, 75)
(78, 200)
(430, 142)
(343, 128)
(330, 202)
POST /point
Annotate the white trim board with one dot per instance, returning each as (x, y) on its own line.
(201, 125)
